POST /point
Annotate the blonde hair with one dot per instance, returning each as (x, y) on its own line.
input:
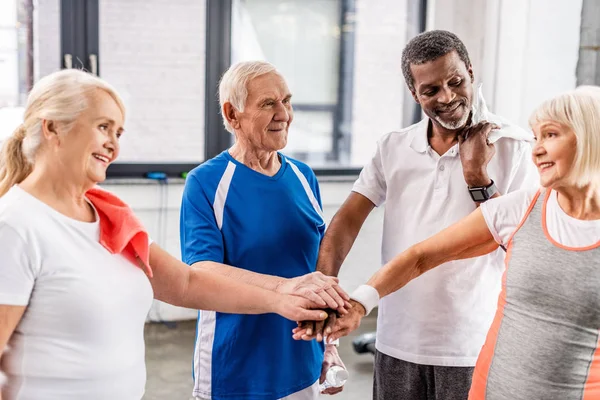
(233, 87)
(61, 97)
(578, 110)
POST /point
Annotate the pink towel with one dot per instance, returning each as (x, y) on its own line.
(120, 230)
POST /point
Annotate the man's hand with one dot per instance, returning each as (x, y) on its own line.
(476, 153)
(309, 330)
(331, 358)
(321, 289)
(297, 308)
(348, 323)
(338, 327)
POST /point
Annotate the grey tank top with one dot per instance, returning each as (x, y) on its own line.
(544, 340)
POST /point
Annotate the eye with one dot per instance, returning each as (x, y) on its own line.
(429, 93)
(287, 101)
(456, 82)
(119, 134)
(103, 127)
(551, 134)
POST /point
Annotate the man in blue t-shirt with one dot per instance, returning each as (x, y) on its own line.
(254, 208)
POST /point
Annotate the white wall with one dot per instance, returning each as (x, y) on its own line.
(147, 200)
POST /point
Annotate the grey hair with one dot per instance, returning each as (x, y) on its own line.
(233, 87)
(429, 46)
(579, 111)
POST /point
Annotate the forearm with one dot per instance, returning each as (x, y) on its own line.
(338, 241)
(398, 272)
(206, 290)
(268, 282)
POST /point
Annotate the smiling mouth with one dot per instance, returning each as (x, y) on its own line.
(450, 110)
(544, 166)
(102, 158)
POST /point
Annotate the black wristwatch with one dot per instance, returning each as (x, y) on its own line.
(483, 193)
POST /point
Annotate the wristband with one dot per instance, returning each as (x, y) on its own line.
(367, 296)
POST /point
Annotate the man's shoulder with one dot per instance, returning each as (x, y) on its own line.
(304, 168)
(404, 135)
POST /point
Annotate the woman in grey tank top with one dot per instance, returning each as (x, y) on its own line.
(544, 339)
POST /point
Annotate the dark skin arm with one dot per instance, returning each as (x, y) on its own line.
(476, 153)
(337, 243)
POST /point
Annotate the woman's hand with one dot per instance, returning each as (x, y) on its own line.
(321, 289)
(297, 308)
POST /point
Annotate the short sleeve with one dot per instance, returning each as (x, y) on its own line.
(371, 182)
(525, 174)
(200, 237)
(17, 271)
(504, 214)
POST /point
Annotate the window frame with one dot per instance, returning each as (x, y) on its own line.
(80, 39)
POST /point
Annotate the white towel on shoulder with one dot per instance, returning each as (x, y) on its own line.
(508, 130)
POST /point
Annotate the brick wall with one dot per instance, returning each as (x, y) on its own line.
(153, 52)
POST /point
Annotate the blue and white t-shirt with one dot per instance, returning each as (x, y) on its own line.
(234, 215)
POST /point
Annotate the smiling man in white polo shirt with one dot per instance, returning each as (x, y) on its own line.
(430, 175)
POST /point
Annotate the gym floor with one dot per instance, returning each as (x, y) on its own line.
(169, 360)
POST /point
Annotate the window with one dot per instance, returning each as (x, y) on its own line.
(302, 38)
(153, 53)
(16, 62)
(341, 59)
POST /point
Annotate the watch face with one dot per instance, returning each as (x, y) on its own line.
(478, 195)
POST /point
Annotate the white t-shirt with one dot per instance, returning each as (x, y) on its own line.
(82, 333)
(442, 317)
(504, 214)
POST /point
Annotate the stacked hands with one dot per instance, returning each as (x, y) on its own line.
(308, 293)
(338, 323)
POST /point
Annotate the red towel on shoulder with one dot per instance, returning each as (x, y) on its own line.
(120, 230)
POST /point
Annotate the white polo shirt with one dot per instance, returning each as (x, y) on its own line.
(442, 317)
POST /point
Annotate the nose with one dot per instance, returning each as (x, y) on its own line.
(112, 145)
(282, 114)
(446, 95)
(538, 149)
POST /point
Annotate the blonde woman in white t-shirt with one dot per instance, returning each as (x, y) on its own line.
(544, 340)
(71, 312)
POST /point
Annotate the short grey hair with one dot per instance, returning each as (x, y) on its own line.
(579, 111)
(233, 87)
(429, 46)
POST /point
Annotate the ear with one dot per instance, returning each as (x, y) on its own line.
(49, 129)
(414, 95)
(231, 115)
(470, 70)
